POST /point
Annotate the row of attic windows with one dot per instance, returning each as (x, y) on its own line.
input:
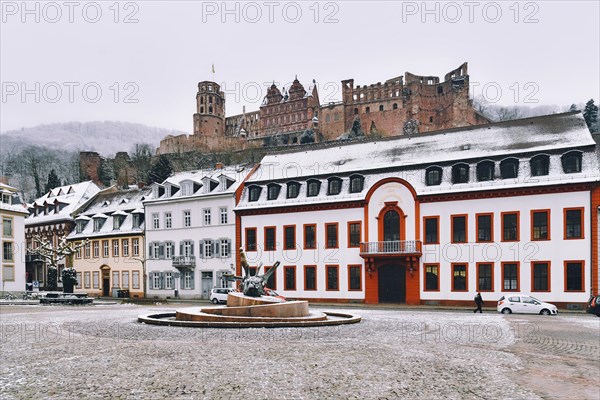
(189, 188)
(46, 209)
(99, 221)
(313, 187)
(509, 169)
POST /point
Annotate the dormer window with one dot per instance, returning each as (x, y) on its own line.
(485, 171)
(254, 193)
(357, 183)
(313, 187)
(433, 176)
(460, 173)
(293, 190)
(273, 191)
(334, 186)
(137, 220)
(540, 165)
(98, 222)
(185, 189)
(80, 225)
(509, 168)
(117, 221)
(571, 162)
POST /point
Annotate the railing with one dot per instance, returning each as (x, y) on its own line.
(391, 247)
(184, 262)
(29, 258)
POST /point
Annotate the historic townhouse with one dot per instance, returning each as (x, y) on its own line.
(13, 212)
(113, 260)
(432, 218)
(51, 216)
(190, 227)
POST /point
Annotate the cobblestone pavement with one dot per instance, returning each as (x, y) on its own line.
(101, 352)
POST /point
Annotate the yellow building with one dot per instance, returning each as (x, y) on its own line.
(112, 263)
(12, 212)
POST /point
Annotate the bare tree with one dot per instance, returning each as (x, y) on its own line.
(141, 159)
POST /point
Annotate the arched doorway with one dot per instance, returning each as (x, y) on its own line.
(105, 269)
(392, 283)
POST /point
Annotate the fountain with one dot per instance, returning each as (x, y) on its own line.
(252, 307)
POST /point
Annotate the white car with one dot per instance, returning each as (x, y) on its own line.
(219, 295)
(521, 304)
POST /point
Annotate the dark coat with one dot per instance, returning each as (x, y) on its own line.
(478, 299)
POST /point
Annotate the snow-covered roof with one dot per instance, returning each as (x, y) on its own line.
(69, 198)
(108, 205)
(14, 203)
(408, 157)
(204, 183)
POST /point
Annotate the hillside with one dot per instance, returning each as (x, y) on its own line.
(104, 137)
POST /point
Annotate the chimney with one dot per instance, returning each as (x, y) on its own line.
(219, 165)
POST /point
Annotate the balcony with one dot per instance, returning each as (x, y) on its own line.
(392, 248)
(31, 258)
(184, 262)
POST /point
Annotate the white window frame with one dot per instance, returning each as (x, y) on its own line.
(86, 279)
(135, 279)
(207, 251)
(155, 221)
(187, 280)
(96, 281)
(168, 220)
(224, 244)
(116, 245)
(125, 247)
(207, 217)
(223, 216)
(187, 218)
(115, 277)
(169, 280)
(125, 280)
(105, 249)
(136, 246)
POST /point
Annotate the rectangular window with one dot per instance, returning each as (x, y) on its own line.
(187, 218)
(136, 246)
(540, 224)
(125, 280)
(169, 246)
(125, 247)
(169, 280)
(310, 236)
(223, 215)
(155, 280)
(270, 238)
(354, 238)
(574, 276)
(207, 216)
(540, 276)
(7, 227)
(208, 248)
(155, 221)
(115, 244)
(168, 220)
(272, 281)
(510, 226)
(355, 277)
(105, 249)
(331, 236)
(86, 250)
(154, 251)
(485, 227)
(573, 223)
(96, 247)
(432, 227)
(289, 278)
(96, 280)
(332, 277)
(115, 279)
(135, 280)
(459, 278)
(79, 280)
(310, 277)
(86, 280)
(289, 237)
(432, 277)
(250, 239)
(510, 277)
(225, 248)
(78, 251)
(7, 251)
(459, 228)
(188, 280)
(485, 277)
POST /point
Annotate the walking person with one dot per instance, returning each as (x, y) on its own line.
(479, 303)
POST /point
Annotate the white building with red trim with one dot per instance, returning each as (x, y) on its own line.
(431, 218)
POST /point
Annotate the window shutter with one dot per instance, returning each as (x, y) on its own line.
(150, 250)
(162, 280)
(181, 280)
(202, 249)
(172, 244)
(181, 248)
(191, 247)
(161, 250)
(192, 280)
(217, 248)
(228, 248)
(151, 280)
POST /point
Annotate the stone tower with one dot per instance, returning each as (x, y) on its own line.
(209, 119)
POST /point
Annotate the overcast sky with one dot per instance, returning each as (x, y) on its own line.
(148, 63)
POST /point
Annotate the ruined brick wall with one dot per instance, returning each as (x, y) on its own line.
(249, 122)
(89, 164)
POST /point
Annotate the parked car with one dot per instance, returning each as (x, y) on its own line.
(593, 305)
(219, 295)
(521, 304)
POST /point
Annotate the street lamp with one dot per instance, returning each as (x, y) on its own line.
(143, 261)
